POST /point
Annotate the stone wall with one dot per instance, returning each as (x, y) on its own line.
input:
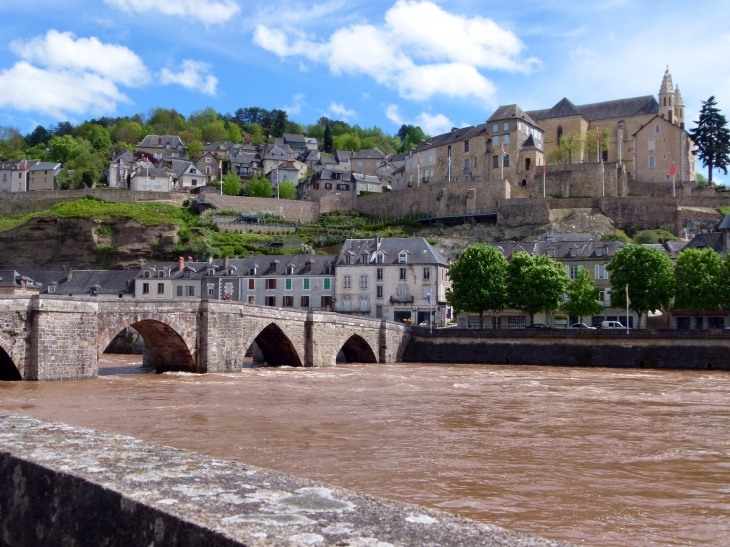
(448, 199)
(521, 212)
(580, 180)
(16, 203)
(298, 211)
(15, 329)
(641, 349)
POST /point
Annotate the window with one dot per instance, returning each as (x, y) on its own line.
(551, 253)
(560, 132)
(288, 302)
(328, 186)
(657, 128)
(326, 301)
(287, 284)
(379, 274)
(211, 290)
(359, 164)
(347, 259)
(574, 253)
(208, 160)
(211, 272)
(378, 312)
(348, 282)
(516, 322)
(228, 290)
(160, 288)
(179, 290)
(505, 139)
(145, 288)
(599, 252)
(495, 128)
(344, 187)
(495, 141)
(474, 322)
(363, 281)
(402, 273)
(327, 283)
(527, 164)
(601, 272)
(426, 291)
(380, 291)
(146, 273)
(652, 145)
(306, 284)
(573, 271)
(402, 258)
(495, 162)
(466, 165)
(667, 177)
(506, 160)
(426, 274)
(466, 146)
(251, 284)
(190, 290)
(379, 258)
(652, 162)
(51, 289)
(449, 151)
(506, 126)
(270, 284)
(270, 301)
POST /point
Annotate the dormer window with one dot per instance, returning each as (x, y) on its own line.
(599, 252)
(347, 259)
(211, 272)
(551, 253)
(290, 270)
(146, 274)
(364, 258)
(379, 258)
(186, 273)
(51, 289)
(252, 271)
(161, 273)
(402, 258)
(307, 267)
(573, 253)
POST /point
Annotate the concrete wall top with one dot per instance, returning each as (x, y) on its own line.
(134, 493)
(552, 334)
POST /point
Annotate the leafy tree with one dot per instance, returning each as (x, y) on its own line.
(328, 142)
(63, 148)
(64, 180)
(280, 123)
(215, 131)
(536, 283)
(570, 145)
(234, 133)
(88, 177)
(604, 145)
(40, 135)
(195, 149)
(725, 287)
(259, 187)
(63, 128)
(128, 132)
(478, 281)
(349, 141)
(649, 274)
(712, 138)
(99, 138)
(583, 297)
(231, 185)
(11, 142)
(699, 281)
(287, 190)
(701, 180)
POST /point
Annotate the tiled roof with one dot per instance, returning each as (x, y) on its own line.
(600, 111)
(562, 249)
(418, 249)
(161, 141)
(369, 154)
(725, 224)
(218, 145)
(263, 265)
(708, 241)
(508, 112)
(45, 166)
(110, 281)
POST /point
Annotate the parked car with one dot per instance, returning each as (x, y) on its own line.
(538, 326)
(612, 325)
(581, 326)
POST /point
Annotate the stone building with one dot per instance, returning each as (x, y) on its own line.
(398, 279)
(163, 146)
(42, 176)
(285, 281)
(657, 146)
(170, 280)
(366, 162)
(120, 167)
(14, 175)
(514, 145)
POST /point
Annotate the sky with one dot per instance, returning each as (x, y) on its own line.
(431, 63)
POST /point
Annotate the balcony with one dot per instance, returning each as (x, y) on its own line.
(402, 299)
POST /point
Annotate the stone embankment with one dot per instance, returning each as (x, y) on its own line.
(664, 349)
(62, 485)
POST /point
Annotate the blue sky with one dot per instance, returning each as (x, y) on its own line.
(374, 62)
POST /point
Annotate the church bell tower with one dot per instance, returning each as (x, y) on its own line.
(667, 98)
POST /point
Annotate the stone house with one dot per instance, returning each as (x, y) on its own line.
(398, 279)
(287, 170)
(163, 146)
(366, 183)
(209, 165)
(151, 179)
(117, 175)
(366, 162)
(285, 281)
(335, 187)
(42, 176)
(246, 165)
(170, 280)
(658, 145)
(187, 175)
(12, 282)
(14, 175)
(102, 284)
(221, 150)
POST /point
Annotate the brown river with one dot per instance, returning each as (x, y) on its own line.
(594, 456)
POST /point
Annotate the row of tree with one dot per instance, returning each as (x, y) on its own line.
(258, 187)
(482, 280)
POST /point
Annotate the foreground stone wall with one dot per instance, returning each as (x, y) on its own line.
(62, 485)
(641, 349)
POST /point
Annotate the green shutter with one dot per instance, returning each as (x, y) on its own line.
(288, 284)
(327, 284)
(306, 284)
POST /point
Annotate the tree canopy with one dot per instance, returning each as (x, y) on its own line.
(583, 297)
(536, 283)
(712, 138)
(231, 185)
(287, 190)
(478, 281)
(649, 274)
(259, 187)
(699, 281)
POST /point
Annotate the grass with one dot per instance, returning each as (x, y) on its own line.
(149, 214)
(618, 235)
(643, 237)
(725, 210)
(9, 222)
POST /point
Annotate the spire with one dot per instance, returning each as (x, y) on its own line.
(678, 101)
(667, 86)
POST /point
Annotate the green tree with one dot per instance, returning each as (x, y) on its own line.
(128, 132)
(649, 274)
(64, 180)
(63, 148)
(701, 180)
(328, 142)
(259, 187)
(536, 283)
(699, 281)
(603, 145)
(478, 281)
(570, 145)
(88, 177)
(234, 133)
(287, 190)
(583, 297)
(348, 141)
(725, 287)
(231, 185)
(99, 138)
(195, 149)
(712, 138)
(215, 131)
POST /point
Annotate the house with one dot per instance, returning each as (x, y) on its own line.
(187, 175)
(246, 165)
(42, 176)
(659, 145)
(287, 170)
(514, 145)
(12, 282)
(366, 162)
(276, 155)
(161, 146)
(118, 173)
(398, 279)
(14, 175)
(151, 179)
(221, 150)
(335, 187)
(102, 284)
(366, 183)
(209, 165)
(179, 280)
(286, 281)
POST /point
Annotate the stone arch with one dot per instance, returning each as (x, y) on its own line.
(277, 347)
(9, 371)
(357, 350)
(169, 350)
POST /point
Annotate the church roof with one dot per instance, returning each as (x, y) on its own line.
(509, 111)
(620, 108)
(529, 143)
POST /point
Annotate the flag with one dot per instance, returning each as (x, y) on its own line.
(25, 165)
(621, 136)
(220, 166)
(544, 168)
(603, 169)
(628, 300)
(598, 135)
(673, 170)
(419, 160)
(428, 297)
(504, 152)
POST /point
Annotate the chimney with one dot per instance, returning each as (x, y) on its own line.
(180, 263)
(454, 129)
(129, 284)
(226, 262)
(190, 259)
(69, 275)
(210, 260)
(250, 253)
(378, 241)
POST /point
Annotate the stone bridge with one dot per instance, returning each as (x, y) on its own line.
(58, 338)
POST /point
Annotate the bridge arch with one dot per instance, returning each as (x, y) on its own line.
(276, 345)
(357, 350)
(166, 341)
(9, 370)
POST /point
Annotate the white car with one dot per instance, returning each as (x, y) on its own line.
(581, 326)
(612, 325)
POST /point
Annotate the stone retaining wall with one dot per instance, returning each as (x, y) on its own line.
(63, 485)
(17, 203)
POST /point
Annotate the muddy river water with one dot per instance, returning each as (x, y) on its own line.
(594, 456)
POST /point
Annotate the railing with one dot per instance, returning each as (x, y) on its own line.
(402, 299)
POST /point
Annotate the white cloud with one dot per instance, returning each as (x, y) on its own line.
(296, 109)
(338, 110)
(193, 75)
(407, 55)
(209, 12)
(63, 51)
(57, 93)
(432, 124)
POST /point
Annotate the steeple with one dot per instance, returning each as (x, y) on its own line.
(666, 97)
(679, 106)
